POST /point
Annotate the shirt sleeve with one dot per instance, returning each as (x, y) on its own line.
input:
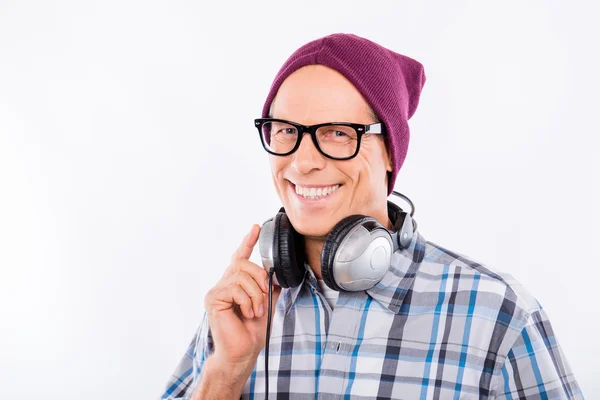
(182, 382)
(535, 366)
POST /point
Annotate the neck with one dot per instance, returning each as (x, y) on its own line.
(313, 247)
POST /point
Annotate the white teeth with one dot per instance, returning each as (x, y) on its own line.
(312, 193)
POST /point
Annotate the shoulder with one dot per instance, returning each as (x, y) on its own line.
(440, 262)
(463, 273)
(497, 319)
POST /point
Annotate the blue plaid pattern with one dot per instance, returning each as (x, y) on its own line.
(439, 325)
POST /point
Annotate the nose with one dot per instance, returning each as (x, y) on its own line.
(307, 157)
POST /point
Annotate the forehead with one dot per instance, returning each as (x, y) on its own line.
(314, 94)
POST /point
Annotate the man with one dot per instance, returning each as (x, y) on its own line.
(438, 325)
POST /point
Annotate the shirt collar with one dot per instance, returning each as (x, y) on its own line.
(391, 290)
(396, 282)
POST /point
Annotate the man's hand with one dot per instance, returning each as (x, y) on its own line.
(237, 314)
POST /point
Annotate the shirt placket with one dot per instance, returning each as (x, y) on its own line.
(339, 346)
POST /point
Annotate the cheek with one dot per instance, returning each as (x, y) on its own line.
(370, 177)
(364, 171)
(278, 165)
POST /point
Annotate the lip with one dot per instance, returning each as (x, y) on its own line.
(313, 186)
(318, 201)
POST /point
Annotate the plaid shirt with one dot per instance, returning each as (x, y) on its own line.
(438, 325)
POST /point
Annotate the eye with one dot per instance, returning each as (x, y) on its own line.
(286, 130)
(336, 134)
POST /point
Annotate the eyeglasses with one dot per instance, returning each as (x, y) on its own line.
(335, 140)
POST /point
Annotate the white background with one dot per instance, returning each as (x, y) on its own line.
(130, 168)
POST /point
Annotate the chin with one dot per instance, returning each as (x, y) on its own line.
(311, 226)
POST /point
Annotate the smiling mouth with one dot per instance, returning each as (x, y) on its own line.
(313, 193)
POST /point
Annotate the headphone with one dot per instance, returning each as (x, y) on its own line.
(356, 255)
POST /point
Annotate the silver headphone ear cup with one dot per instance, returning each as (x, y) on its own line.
(265, 245)
(332, 242)
(357, 254)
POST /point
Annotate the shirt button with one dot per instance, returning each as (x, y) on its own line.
(337, 350)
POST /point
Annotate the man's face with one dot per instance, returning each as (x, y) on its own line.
(317, 94)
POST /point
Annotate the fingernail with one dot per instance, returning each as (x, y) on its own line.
(266, 284)
(261, 310)
(251, 313)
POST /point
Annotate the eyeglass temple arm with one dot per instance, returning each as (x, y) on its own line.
(374, 129)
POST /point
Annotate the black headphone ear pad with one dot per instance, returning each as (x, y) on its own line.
(332, 243)
(288, 252)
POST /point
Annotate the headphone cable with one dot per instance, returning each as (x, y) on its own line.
(271, 271)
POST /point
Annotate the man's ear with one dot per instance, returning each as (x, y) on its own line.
(388, 164)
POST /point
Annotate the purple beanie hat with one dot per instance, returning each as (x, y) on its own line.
(390, 82)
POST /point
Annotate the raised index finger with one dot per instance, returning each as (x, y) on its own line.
(248, 243)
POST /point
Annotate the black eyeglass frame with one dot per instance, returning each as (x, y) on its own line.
(375, 129)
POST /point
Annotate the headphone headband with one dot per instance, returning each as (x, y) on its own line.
(404, 225)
